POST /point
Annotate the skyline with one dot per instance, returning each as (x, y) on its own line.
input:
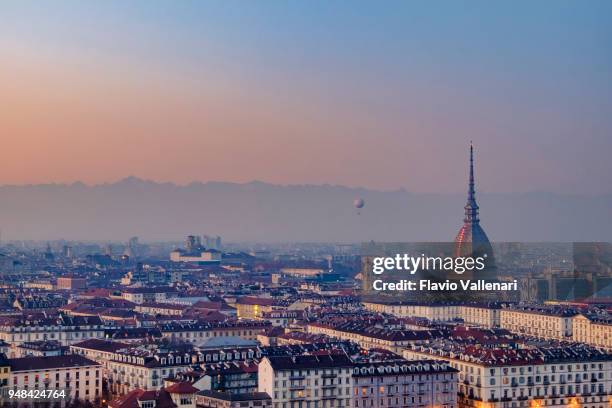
(259, 212)
(283, 204)
(383, 98)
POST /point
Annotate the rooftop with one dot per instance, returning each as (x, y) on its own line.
(224, 396)
(46, 363)
(310, 361)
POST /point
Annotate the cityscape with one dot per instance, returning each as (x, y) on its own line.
(209, 324)
(305, 204)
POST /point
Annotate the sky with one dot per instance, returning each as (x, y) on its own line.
(382, 95)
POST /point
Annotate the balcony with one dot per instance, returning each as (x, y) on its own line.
(329, 375)
(297, 377)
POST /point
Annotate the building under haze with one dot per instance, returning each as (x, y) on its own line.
(472, 241)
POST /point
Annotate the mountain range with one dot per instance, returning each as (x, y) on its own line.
(263, 212)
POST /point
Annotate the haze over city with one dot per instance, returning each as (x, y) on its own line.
(305, 204)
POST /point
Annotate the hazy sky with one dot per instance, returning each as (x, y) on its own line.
(376, 94)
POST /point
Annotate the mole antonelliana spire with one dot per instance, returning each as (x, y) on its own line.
(471, 239)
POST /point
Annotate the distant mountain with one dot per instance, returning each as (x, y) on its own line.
(264, 212)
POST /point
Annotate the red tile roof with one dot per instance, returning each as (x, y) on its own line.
(182, 388)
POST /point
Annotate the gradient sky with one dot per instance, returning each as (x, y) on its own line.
(383, 95)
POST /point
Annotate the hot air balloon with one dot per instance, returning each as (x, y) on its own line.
(358, 204)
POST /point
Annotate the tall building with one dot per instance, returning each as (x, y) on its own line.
(67, 251)
(549, 375)
(307, 381)
(195, 252)
(472, 241)
(49, 253)
(75, 376)
(193, 243)
(212, 242)
(131, 250)
(405, 384)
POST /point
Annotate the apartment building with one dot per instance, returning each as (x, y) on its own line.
(482, 315)
(141, 368)
(282, 318)
(307, 381)
(100, 351)
(80, 377)
(232, 377)
(166, 309)
(547, 322)
(370, 337)
(130, 367)
(149, 294)
(248, 307)
(433, 312)
(595, 330)
(64, 329)
(401, 384)
(550, 376)
(71, 282)
(485, 315)
(200, 331)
